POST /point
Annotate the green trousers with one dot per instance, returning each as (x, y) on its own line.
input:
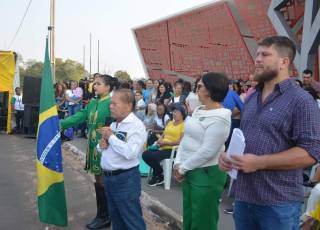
(202, 190)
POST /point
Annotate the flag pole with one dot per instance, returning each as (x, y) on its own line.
(84, 57)
(52, 40)
(90, 53)
(98, 56)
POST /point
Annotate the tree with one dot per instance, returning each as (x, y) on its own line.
(33, 68)
(69, 70)
(65, 70)
(122, 75)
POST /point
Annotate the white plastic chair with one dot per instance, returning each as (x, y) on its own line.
(167, 168)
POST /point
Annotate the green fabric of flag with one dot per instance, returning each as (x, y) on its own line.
(51, 193)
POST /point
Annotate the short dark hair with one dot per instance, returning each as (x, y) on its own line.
(126, 96)
(217, 85)
(139, 91)
(284, 46)
(178, 83)
(141, 83)
(96, 75)
(307, 71)
(124, 85)
(116, 83)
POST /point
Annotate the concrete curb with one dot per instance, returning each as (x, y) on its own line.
(158, 210)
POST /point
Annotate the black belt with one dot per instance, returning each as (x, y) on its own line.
(117, 172)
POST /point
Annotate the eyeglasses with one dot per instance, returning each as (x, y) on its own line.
(199, 86)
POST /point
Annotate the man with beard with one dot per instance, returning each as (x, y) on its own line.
(279, 122)
(308, 81)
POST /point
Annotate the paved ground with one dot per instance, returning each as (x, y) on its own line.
(18, 208)
(171, 198)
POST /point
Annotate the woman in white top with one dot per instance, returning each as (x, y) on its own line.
(196, 163)
(192, 101)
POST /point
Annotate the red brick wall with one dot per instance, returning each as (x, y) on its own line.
(254, 14)
(208, 38)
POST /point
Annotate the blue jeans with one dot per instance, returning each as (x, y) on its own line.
(123, 192)
(273, 217)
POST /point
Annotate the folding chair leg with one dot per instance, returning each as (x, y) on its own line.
(167, 170)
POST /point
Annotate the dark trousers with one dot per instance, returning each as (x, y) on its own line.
(19, 120)
(61, 114)
(83, 127)
(123, 193)
(153, 159)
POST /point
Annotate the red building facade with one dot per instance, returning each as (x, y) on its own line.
(220, 37)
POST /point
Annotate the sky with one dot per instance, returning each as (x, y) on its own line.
(109, 21)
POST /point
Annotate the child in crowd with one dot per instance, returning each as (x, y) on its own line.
(140, 109)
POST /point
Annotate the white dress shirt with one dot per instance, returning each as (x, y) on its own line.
(125, 144)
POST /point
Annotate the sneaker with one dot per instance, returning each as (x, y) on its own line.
(156, 180)
(228, 210)
(160, 180)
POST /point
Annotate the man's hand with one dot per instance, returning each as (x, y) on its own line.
(248, 163)
(225, 164)
(106, 132)
(103, 143)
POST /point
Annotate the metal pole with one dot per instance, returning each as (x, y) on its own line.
(90, 53)
(84, 57)
(98, 56)
(52, 41)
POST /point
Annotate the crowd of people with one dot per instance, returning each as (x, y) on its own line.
(124, 119)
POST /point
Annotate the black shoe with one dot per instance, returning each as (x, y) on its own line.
(92, 221)
(102, 219)
(156, 180)
(99, 223)
(228, 210)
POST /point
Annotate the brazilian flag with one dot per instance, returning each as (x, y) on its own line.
(51, 193)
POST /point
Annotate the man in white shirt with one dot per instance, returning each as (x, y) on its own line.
(18, 109)
(121, 145)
